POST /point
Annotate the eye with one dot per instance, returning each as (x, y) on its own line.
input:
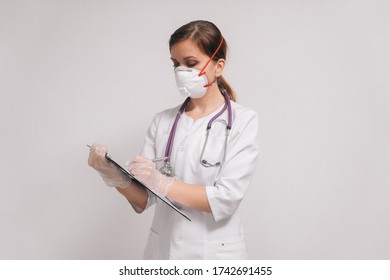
(191, 64)
(175, 63)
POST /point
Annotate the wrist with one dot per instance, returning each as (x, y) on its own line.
(171, 189)
(163, 184)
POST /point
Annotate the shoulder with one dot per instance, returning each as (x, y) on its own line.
(245, 122)
(163, 120)
(242, 113)
(166, 114)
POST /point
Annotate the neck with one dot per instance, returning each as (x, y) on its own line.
(208, 103)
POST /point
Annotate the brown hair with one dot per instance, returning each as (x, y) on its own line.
(207, 37)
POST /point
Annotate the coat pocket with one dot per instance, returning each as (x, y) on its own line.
(230, 249)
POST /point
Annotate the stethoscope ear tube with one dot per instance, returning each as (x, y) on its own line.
(229, 107)
(168, 149)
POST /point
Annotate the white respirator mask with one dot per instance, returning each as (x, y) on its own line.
(190, 83)
(193, 82)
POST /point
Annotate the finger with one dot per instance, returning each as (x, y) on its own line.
(137, 161)
(102, 150)
(93, 154)
(142, 165)
(136, 166)
(97, 155)
(140, 158)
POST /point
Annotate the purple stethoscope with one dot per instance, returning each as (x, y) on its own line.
(167, 168)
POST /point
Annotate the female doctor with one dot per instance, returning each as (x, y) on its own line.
(211, 146)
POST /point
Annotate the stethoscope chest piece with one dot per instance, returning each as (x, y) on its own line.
(168, 170)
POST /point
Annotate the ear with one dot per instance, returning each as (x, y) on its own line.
(220, 65)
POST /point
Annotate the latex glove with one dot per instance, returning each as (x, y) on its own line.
(145, 171)
(111, 175)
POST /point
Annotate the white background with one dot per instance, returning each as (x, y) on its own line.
(77, 72)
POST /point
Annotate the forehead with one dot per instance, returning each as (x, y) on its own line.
(186, 48)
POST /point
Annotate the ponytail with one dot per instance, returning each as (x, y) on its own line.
(222, 83)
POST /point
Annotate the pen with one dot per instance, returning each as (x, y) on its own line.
(159, 159)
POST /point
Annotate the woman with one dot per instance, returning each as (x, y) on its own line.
(207, 181)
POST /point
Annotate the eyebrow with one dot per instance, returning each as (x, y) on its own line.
(190, 57)
(187, 57)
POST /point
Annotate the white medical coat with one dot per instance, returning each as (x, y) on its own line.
(216, 235)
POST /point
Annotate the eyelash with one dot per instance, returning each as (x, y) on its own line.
(189, 65)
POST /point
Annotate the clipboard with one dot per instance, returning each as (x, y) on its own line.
(131, 176)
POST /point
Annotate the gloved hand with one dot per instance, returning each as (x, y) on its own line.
(111, 175)
(145, 171)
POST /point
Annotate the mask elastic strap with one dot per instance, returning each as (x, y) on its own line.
(202, 71)
(210, 84)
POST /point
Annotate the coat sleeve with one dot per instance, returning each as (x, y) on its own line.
(236, 173)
